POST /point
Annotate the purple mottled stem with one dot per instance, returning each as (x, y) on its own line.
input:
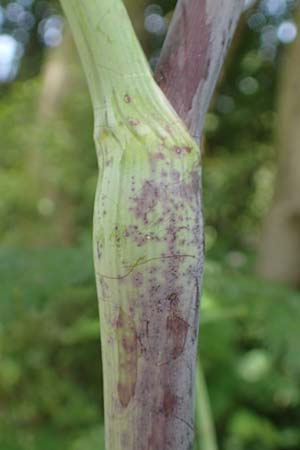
(148, 227)
(193, 55)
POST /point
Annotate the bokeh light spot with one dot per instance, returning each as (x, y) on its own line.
(8, 57)
(248, 86)
(51, 30)
(287, 32)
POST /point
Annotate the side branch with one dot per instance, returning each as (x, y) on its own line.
(193, 55)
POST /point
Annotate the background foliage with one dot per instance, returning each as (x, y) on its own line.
(50, 356)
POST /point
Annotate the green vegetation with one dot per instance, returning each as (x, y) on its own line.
(50, 377)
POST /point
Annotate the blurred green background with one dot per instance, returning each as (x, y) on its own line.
(50, 356)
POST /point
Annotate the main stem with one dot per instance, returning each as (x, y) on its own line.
(148, 244)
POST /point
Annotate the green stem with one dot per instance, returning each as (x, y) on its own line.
(206, 434)
(106, 44)
(112, 58)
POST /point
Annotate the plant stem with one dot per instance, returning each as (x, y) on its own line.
(193, 54)
(148, 237)
(206, 434)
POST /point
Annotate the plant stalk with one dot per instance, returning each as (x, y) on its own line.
(193, 54)
(148, 237)
(206, 434)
